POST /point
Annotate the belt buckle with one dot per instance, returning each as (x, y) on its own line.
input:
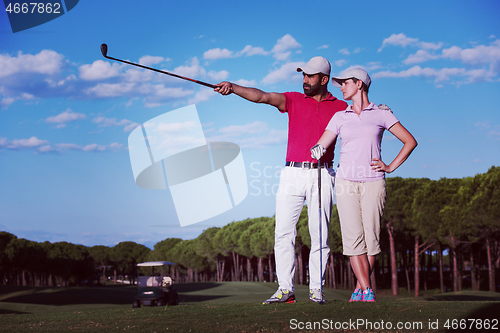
(308, 165)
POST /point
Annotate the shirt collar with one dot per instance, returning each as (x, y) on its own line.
(370, 107)
(329, 97)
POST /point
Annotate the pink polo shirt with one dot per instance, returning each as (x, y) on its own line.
(360, 137)
(307, 121)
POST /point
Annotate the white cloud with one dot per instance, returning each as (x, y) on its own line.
(322, 47)
(249, 50)
(281, 48)
(99, 70)
(218, 76)
(6, 101)
(495, 134)
(151, 60)
(340, 63)
(483, 61)
(201, 96)
(43, 146)
(282, 56)
(430, 46)
(68, 146)
(286, 72)
(344, 51)
(398, 40)
(110, 122)
(420, 56)
(46, 62)
(111, 89)
(439, 75)
(60, 83)
(191, 70)
(160, 93)
(214, 54)
(479, 55)
(285, 43)
(65, 117)
(131, 127)
(246, 83)
(402, 40)
(94, 147)
(139, 75)
(32, 142)
(482, 125)
(252, 50)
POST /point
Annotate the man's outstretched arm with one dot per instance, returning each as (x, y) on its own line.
(252, 94)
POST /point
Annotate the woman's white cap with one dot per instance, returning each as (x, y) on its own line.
(357, 73)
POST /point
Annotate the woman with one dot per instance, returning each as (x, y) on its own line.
(360, 180)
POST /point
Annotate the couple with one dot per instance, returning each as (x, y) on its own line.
(316, 118)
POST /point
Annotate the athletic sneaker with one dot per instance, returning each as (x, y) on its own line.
(281, 296)
(315, 296)
(357, 296)
(368, 295)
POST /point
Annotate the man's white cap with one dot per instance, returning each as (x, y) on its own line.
(316, 65)
(357, 73)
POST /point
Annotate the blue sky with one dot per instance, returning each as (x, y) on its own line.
(66, 112)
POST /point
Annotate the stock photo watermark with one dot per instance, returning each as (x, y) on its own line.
(171, 151)
(25, 15)
(413, 326)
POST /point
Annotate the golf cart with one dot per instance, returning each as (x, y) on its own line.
(155, 290)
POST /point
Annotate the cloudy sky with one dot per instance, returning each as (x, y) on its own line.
(66, 112)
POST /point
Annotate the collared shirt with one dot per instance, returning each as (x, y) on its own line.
(307, 122)
(361, 137)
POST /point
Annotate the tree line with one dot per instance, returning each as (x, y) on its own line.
(435, 234)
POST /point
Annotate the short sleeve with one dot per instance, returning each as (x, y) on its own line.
(288, 102)
(334, 124)
(389, 119)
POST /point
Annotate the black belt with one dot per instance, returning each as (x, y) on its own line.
(307, 165)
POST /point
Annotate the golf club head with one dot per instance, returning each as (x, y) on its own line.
(104, 50)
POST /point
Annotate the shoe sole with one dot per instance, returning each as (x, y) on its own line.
(288, 301)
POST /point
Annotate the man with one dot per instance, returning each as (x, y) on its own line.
(308, 114)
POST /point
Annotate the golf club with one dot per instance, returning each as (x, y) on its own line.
(104, 51)
(322, 302)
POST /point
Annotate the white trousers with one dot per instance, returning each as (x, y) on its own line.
(296, 186)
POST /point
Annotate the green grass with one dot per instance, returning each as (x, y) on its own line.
(234, 307)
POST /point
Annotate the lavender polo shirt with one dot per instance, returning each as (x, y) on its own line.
(360, 137)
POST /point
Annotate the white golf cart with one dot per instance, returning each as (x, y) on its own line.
(156, 289)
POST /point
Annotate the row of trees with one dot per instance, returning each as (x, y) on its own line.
(459, 215)
(29, 263)
(440, 233)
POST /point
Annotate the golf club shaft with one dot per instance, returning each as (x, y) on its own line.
(320, 231)
(104, 50)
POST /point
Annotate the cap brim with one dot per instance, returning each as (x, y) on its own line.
(307, 71)
(337, 81)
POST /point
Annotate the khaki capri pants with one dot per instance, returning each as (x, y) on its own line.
(360, 206)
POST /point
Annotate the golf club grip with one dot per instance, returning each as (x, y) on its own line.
(163, 72)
